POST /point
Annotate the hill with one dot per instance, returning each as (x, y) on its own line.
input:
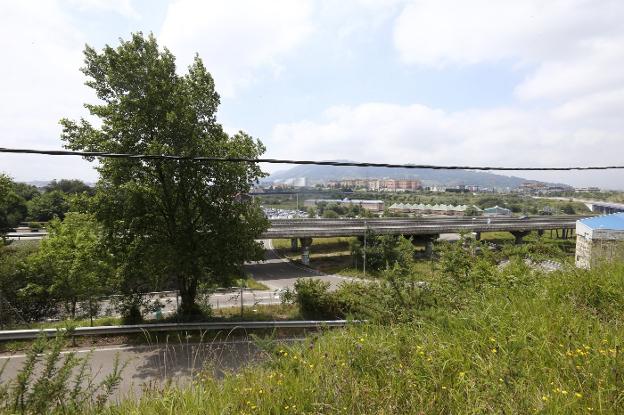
(427, 176)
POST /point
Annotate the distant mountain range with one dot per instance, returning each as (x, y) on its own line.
(428, 177)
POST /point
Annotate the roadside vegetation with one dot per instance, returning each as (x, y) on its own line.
(477, 339)
(344, 255)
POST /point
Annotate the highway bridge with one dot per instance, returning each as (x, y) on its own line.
(424, 230)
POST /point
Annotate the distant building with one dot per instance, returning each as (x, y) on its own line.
(496, 211)
(378, 185)
(599, 239)
(542, 188)
(430, 209)
(587, 189)
(372, 205)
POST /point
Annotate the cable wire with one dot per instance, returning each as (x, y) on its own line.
(286, 161)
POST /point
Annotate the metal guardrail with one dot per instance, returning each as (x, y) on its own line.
(8, 335)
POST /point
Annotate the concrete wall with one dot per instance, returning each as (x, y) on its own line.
(590, 252)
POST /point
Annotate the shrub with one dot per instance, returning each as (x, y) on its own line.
(315, 301)
(50, 382)
(384, 251)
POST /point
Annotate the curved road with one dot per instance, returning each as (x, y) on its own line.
(278, 273)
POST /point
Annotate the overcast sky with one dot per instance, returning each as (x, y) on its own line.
(536, 83)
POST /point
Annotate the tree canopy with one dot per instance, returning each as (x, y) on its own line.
(68, 186)
(12, 205)
(178, 221)
(72, 256)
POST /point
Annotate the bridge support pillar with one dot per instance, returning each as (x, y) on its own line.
(429, 247)
(294, 244)
(519, 235)
(540, 232)
(305, 250)
(478, 236)
(426, 240)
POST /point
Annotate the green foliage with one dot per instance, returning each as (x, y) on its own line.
(472, 211)
(52, 383)
(179, 222)
(384, 251)
(599, 292)
(315, 301)
(72, 256)
(13, 208)
(534, 348)
(330, 214)
(26, 191)
(69, 187)
(23, 291)
(47, 206)
(568, 209)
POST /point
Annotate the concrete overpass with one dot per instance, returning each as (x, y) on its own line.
(424, 230)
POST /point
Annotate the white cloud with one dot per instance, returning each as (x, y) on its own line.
(418, 134)
(467, 32)
(596, 67)
(40, 83)
(570, 47)
(567, 109)
(235, 38)
(121, 7)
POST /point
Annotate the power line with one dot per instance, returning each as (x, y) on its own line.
(287, 161)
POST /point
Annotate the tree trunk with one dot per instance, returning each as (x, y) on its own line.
(188, 292)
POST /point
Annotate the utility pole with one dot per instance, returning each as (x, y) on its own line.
(241, 298)
(365, 232)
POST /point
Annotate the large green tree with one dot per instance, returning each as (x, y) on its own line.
(180, 221)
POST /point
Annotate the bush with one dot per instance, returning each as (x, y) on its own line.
(49, 382)
(385, 251)
(315, 301)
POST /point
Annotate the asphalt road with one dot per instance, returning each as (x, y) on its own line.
(155, 365)
(278, 273)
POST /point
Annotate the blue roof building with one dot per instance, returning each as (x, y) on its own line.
(599, 239)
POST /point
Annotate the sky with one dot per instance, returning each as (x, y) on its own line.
(496, 83)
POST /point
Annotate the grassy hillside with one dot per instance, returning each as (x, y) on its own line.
(535, 344)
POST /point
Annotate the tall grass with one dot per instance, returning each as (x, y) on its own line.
(549, 345)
